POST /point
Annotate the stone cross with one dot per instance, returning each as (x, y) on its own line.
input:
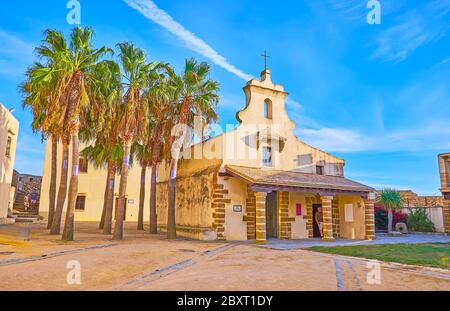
(265, 59)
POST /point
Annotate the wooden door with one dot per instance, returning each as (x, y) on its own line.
(272, 215)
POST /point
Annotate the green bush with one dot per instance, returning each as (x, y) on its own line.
(381, 219)
(418, 221)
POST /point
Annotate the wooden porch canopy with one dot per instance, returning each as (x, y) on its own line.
(269, 180)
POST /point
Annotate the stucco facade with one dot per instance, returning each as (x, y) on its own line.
(255, 181)
(9, 130)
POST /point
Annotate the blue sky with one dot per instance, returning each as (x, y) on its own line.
(376, 95)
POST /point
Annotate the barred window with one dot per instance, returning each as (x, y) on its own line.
(8, 147)
(83, 165)
(267, 157)
(81, 203)
(320, 170)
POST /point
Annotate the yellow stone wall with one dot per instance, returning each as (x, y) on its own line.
(299, 227)
(357, 228)
(193, 199)
(9, 127)
(93, 185)
(235, 225)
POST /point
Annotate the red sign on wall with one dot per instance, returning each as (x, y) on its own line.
(298, 208)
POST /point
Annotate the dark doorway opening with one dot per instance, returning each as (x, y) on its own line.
(316, 229)
(272, 215)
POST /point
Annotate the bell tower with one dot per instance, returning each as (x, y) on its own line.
(265, 102)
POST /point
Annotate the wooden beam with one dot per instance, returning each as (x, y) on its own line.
(319, 191)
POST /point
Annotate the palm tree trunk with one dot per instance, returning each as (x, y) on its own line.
(171, 221)
(53, 177)
(110, 198)
(140, 225)
(62, 191)
(390, 220)
(105, 199)
(118, 228)
(153, 214)
(73, 191)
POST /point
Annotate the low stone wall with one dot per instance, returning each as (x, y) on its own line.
(435, 214)
(196, 233)
(194, 204)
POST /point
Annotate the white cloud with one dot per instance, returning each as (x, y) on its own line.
(400, 41)
(335, 139)
(151, 11)
(294, 105)
(433, 136)
(28, 144)
(15, 54)
(415, 28)
(445, 61)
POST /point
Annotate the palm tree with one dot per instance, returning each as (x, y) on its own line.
(135, 70)
(69, 68)
(79, 63)
(196, 94)
(37, 97)
(45, 93)
(160, 99)
(107, 150)
(142, 154)
(155, 97)
(391, 200)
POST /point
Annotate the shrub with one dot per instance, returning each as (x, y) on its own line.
(399, 217)
(381, 218)
(418, 221)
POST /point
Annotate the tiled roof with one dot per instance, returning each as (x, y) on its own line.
(273, 177)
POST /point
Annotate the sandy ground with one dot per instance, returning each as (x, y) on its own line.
(144, 262)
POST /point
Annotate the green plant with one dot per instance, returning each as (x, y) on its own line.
(418, 221)
(381, 218)
(391, 200)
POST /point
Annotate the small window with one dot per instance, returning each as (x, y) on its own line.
(267, 157)
(31, 179)
(320, 170)
(8, 147)
(20, 178)
(81, 203)
(83, 165)
(348, 209)
(268, 109)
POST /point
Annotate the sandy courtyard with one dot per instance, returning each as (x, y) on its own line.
(144, 262)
